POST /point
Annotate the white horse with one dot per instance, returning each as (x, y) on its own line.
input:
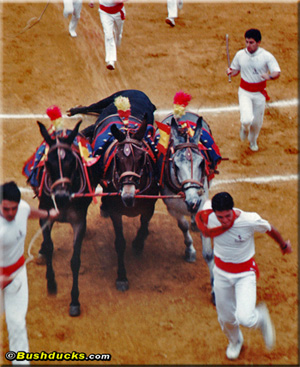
(184, 172)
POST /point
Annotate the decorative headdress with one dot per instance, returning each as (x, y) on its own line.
(181, 100)
(56, 117)
(123, 106)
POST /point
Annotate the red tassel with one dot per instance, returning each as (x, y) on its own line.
(53, 112)
(182, 98)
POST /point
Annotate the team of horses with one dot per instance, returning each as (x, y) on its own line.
(132, 175)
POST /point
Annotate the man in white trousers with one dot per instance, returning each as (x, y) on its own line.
(14, 213)
(256, 66)
(235, 270)
(72, 7)
(112, 16)
(173, 6)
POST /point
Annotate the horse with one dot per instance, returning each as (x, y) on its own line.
(127, 168)
(184, 171)
(63, 175)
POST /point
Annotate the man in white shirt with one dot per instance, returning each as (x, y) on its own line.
(112, 16)
(256, 66)
(235, 270)
(14, 213)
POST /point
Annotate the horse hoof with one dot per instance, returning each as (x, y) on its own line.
(74, 311)
(122, 285)
(41, 259)
(190, 257)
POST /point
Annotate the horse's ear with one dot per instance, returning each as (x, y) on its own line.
(69, 140)
(45, 134)
(117, 133)
(198, 131)
(174, 129)
(140, 133)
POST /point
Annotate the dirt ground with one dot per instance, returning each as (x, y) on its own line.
(166, 316)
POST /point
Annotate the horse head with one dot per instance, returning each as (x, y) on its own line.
(61, 165)
(130, 161)
(187, 166)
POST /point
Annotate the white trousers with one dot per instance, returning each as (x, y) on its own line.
(172, 6)
(112, 25)
(14, 301)
(252, 109)
(72, 7)
(236, 302)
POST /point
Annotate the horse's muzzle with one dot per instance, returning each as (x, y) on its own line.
(62, 198)
(128, 195)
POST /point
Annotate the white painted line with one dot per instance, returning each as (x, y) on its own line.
(220, 109)
(257, 180)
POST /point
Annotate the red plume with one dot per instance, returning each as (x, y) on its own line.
(182, 98)
(54, 113)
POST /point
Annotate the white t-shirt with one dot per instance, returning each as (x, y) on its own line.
(253, 65)
(12, 235)
(237, 244)
(108, 3)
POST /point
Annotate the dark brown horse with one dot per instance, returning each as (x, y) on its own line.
(130, 172)
(64, 175)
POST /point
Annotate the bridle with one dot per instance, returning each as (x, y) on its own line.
(133, 177)
(65, 182)
(176, 185)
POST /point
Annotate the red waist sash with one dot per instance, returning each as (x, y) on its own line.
(8, 270)
(255, 87)
(114, 9)
(249, 265)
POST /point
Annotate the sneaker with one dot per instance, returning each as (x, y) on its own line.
(254, 147)
(170, 21)
(267, 327)
(73, 33)
(180, 4)
(233, 350)
(110, 65)
(243, 133)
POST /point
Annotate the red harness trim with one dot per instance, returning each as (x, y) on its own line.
(8, 270)
(255, 87)
(249, 265)
(114, 9)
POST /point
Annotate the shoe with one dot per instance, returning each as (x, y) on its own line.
(73, 34)
(170, 21)
(267, 327)
(254, 147)
(110, 65)
(180, 4)
(243, 132)
(233, 350)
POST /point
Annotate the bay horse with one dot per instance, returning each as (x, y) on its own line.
(63, 176)
(185, 172)
(128, 169)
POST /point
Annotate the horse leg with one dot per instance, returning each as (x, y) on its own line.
(120, 245)
(79, 229)
(143, 232)
(208, 255)
(47, 252)
(190, 252)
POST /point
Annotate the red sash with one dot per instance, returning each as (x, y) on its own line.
(201, 219)
(255, 87)
(249, 265)
(8, 270)
(114, 9)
